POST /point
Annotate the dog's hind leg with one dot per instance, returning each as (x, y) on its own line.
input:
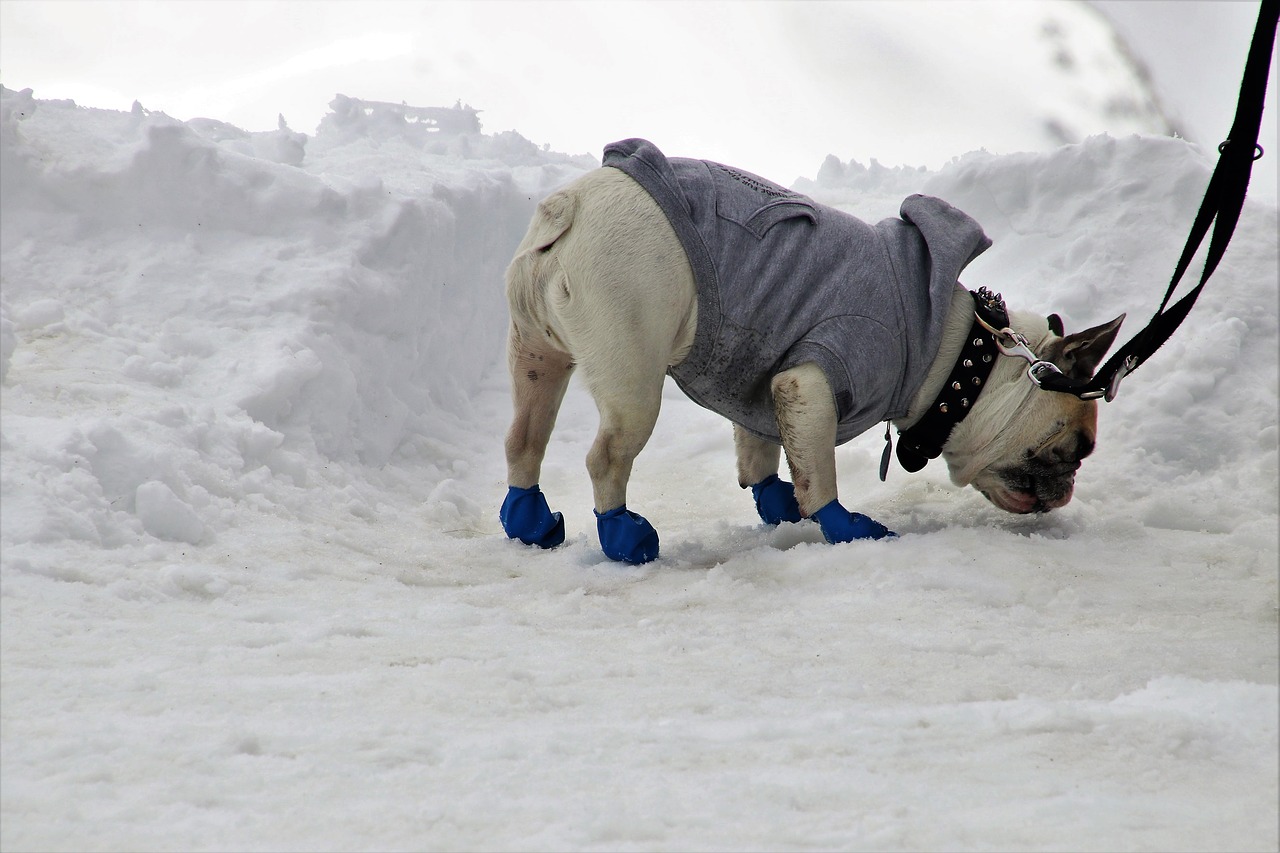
(622, 330)
(622, 296)
(758, 470)
(628, 408)
(539, 376)
(806, 415)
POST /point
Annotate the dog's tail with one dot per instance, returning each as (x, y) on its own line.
(528, 276)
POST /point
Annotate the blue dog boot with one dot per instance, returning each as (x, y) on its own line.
(840, 525)
(627, 536)
(526, 516)
(776, 500)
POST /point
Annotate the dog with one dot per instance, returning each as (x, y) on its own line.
(801, 324)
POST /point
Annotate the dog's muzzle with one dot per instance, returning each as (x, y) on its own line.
(1032, 488)
(1042, 481)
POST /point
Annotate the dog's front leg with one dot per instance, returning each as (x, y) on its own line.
(758, 471)
(806, 414)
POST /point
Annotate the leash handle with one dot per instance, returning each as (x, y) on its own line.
(1223, 201)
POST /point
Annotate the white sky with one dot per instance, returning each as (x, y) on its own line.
(770, 86)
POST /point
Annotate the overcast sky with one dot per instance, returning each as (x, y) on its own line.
(781, 80)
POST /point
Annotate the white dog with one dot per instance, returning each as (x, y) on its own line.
(800, 323)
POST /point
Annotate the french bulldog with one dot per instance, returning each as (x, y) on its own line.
(798, 322)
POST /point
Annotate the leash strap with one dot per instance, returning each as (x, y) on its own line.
(1223, 201)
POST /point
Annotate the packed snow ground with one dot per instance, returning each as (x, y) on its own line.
(255, 595)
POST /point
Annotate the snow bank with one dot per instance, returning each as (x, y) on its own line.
(251, 322)
(255, 593)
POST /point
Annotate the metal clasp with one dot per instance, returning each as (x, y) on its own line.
(1040, 370)
(1013, 343)
(1047, 375)
(1126, 367)
(1010, 342)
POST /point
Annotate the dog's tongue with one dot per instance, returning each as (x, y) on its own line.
(1010, 500)
(1018, 501)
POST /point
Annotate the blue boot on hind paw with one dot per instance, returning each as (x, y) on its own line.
(626, 536)
(776, 500)
(526, 516)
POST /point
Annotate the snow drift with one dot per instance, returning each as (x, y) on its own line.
(253, 405)
(355, 303)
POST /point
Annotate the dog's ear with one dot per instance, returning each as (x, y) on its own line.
(1079, 354)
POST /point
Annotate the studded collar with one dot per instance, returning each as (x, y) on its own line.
(925, 439)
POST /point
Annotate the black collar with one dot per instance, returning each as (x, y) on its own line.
(924, 440)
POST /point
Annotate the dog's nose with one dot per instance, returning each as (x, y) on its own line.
(1078, 449)
(1065, 457)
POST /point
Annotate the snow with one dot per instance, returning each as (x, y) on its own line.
(590, 71)
(255, 595)
(1193, 54)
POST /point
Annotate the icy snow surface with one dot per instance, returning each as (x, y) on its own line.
(255, 595)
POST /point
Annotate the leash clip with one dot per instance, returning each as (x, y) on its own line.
(1113, 387)
(1048, 376)
(1043, 374)
(1041, 371)
(1013, 343)
(1007, 340)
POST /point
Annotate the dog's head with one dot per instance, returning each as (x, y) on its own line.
(1022, 445)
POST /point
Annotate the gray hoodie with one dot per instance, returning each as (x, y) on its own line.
(783, 280)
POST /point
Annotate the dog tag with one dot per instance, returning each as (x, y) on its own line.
(884, 457)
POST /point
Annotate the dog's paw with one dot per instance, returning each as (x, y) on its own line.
(626, 536)
(526, 516)
(776, 500)
(840, 525)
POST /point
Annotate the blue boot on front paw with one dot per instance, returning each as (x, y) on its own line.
(627, 536)
(526, 516)
(776, 500)
(840, 525)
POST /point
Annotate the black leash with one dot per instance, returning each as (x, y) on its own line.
(1223, 201)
